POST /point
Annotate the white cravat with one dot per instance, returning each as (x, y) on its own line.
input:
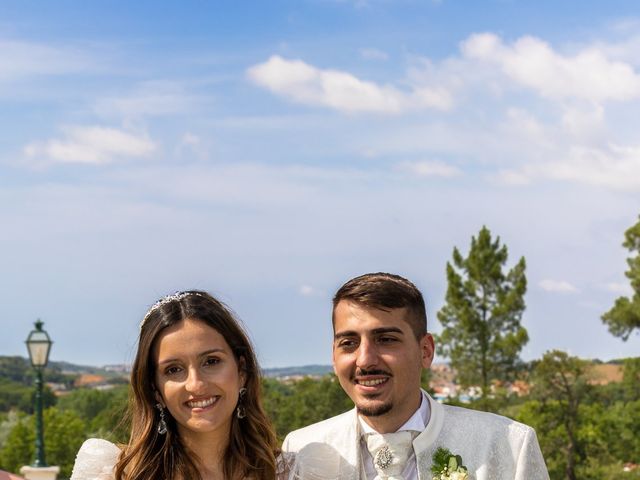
(390, 452)
(417, 422)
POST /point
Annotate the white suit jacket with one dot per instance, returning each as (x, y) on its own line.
(492, 447)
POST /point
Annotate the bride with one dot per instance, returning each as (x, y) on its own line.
(195, 406)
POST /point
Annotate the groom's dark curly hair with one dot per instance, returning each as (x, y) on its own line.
(386, 291)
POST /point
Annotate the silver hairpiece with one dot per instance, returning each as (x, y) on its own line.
(167, 299)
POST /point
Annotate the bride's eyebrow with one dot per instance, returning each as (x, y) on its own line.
(202, 354)
(213, 350)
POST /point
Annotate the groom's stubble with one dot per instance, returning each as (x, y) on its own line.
(378, 410)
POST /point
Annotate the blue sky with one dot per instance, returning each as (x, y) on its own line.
(268, 151)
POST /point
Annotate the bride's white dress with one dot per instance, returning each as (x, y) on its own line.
(95, 460)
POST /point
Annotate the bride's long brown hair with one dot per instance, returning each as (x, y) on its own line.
(252, 447)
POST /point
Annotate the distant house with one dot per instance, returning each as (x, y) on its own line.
(58, 389)
(520, 388)
(89, 380)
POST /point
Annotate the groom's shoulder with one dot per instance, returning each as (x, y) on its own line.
(315, 432)
(486, 422)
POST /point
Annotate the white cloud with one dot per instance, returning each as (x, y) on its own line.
(309, 291)
(429, 169)
(373, 54)
(619, 288)
(90, 145)
(617, 167)
(613, 166)
(588, 74)
(190, 139)
(19, 59)
(513, 178)
(557, 286)
(306, 84)
(584, 124)
(191, 145)
(153, 98)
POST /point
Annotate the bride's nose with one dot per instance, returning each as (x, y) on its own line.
(194, 383)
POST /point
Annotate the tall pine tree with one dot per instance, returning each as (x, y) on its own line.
(624, 317)
(482, 335)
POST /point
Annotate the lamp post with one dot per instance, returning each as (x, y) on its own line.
(39, 345)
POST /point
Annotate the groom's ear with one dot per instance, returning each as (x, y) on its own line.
(427, 350)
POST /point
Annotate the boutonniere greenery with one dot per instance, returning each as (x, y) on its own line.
(447, 466)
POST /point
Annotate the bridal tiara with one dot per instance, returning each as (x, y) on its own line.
(174, 297)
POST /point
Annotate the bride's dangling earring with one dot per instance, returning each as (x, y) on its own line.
(162, 424)
(240, 410)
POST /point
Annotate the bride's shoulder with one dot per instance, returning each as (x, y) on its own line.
(96, 460)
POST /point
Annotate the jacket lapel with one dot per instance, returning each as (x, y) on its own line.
(352, 454)
(424, 444)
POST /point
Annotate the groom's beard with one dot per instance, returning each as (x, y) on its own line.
(374, 411)
(377, 410)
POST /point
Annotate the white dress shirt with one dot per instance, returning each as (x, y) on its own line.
(417, 422)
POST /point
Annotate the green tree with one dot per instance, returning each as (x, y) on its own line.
(306, 401)
(545, 418)
(18, 450)
(624, 316)
(104, 412)
(275, 395)
(9, 420)
(14, 395)
(561, 385)
(113, 421)
(607, 436)
(64, 433)
(617, 431)
(85, 402)
(482, 334)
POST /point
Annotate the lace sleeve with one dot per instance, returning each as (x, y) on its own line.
(318, 463)
(95, 460)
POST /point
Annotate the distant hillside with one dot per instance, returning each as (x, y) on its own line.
(18, 369)
(306, 370)
(105, 371)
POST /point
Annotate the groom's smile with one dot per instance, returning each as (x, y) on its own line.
(378, 360)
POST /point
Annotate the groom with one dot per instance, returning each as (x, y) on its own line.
(380, 347)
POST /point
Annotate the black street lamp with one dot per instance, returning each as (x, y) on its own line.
(39, 345)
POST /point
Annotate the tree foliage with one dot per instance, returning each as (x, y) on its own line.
(102, 411)
(14, 395)
(18, 447)
(482, 334)
(631, 379)
(561, 384)
(624, 316)
(65, 434)
(300, 403)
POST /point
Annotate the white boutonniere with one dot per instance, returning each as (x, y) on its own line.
(447, 466)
